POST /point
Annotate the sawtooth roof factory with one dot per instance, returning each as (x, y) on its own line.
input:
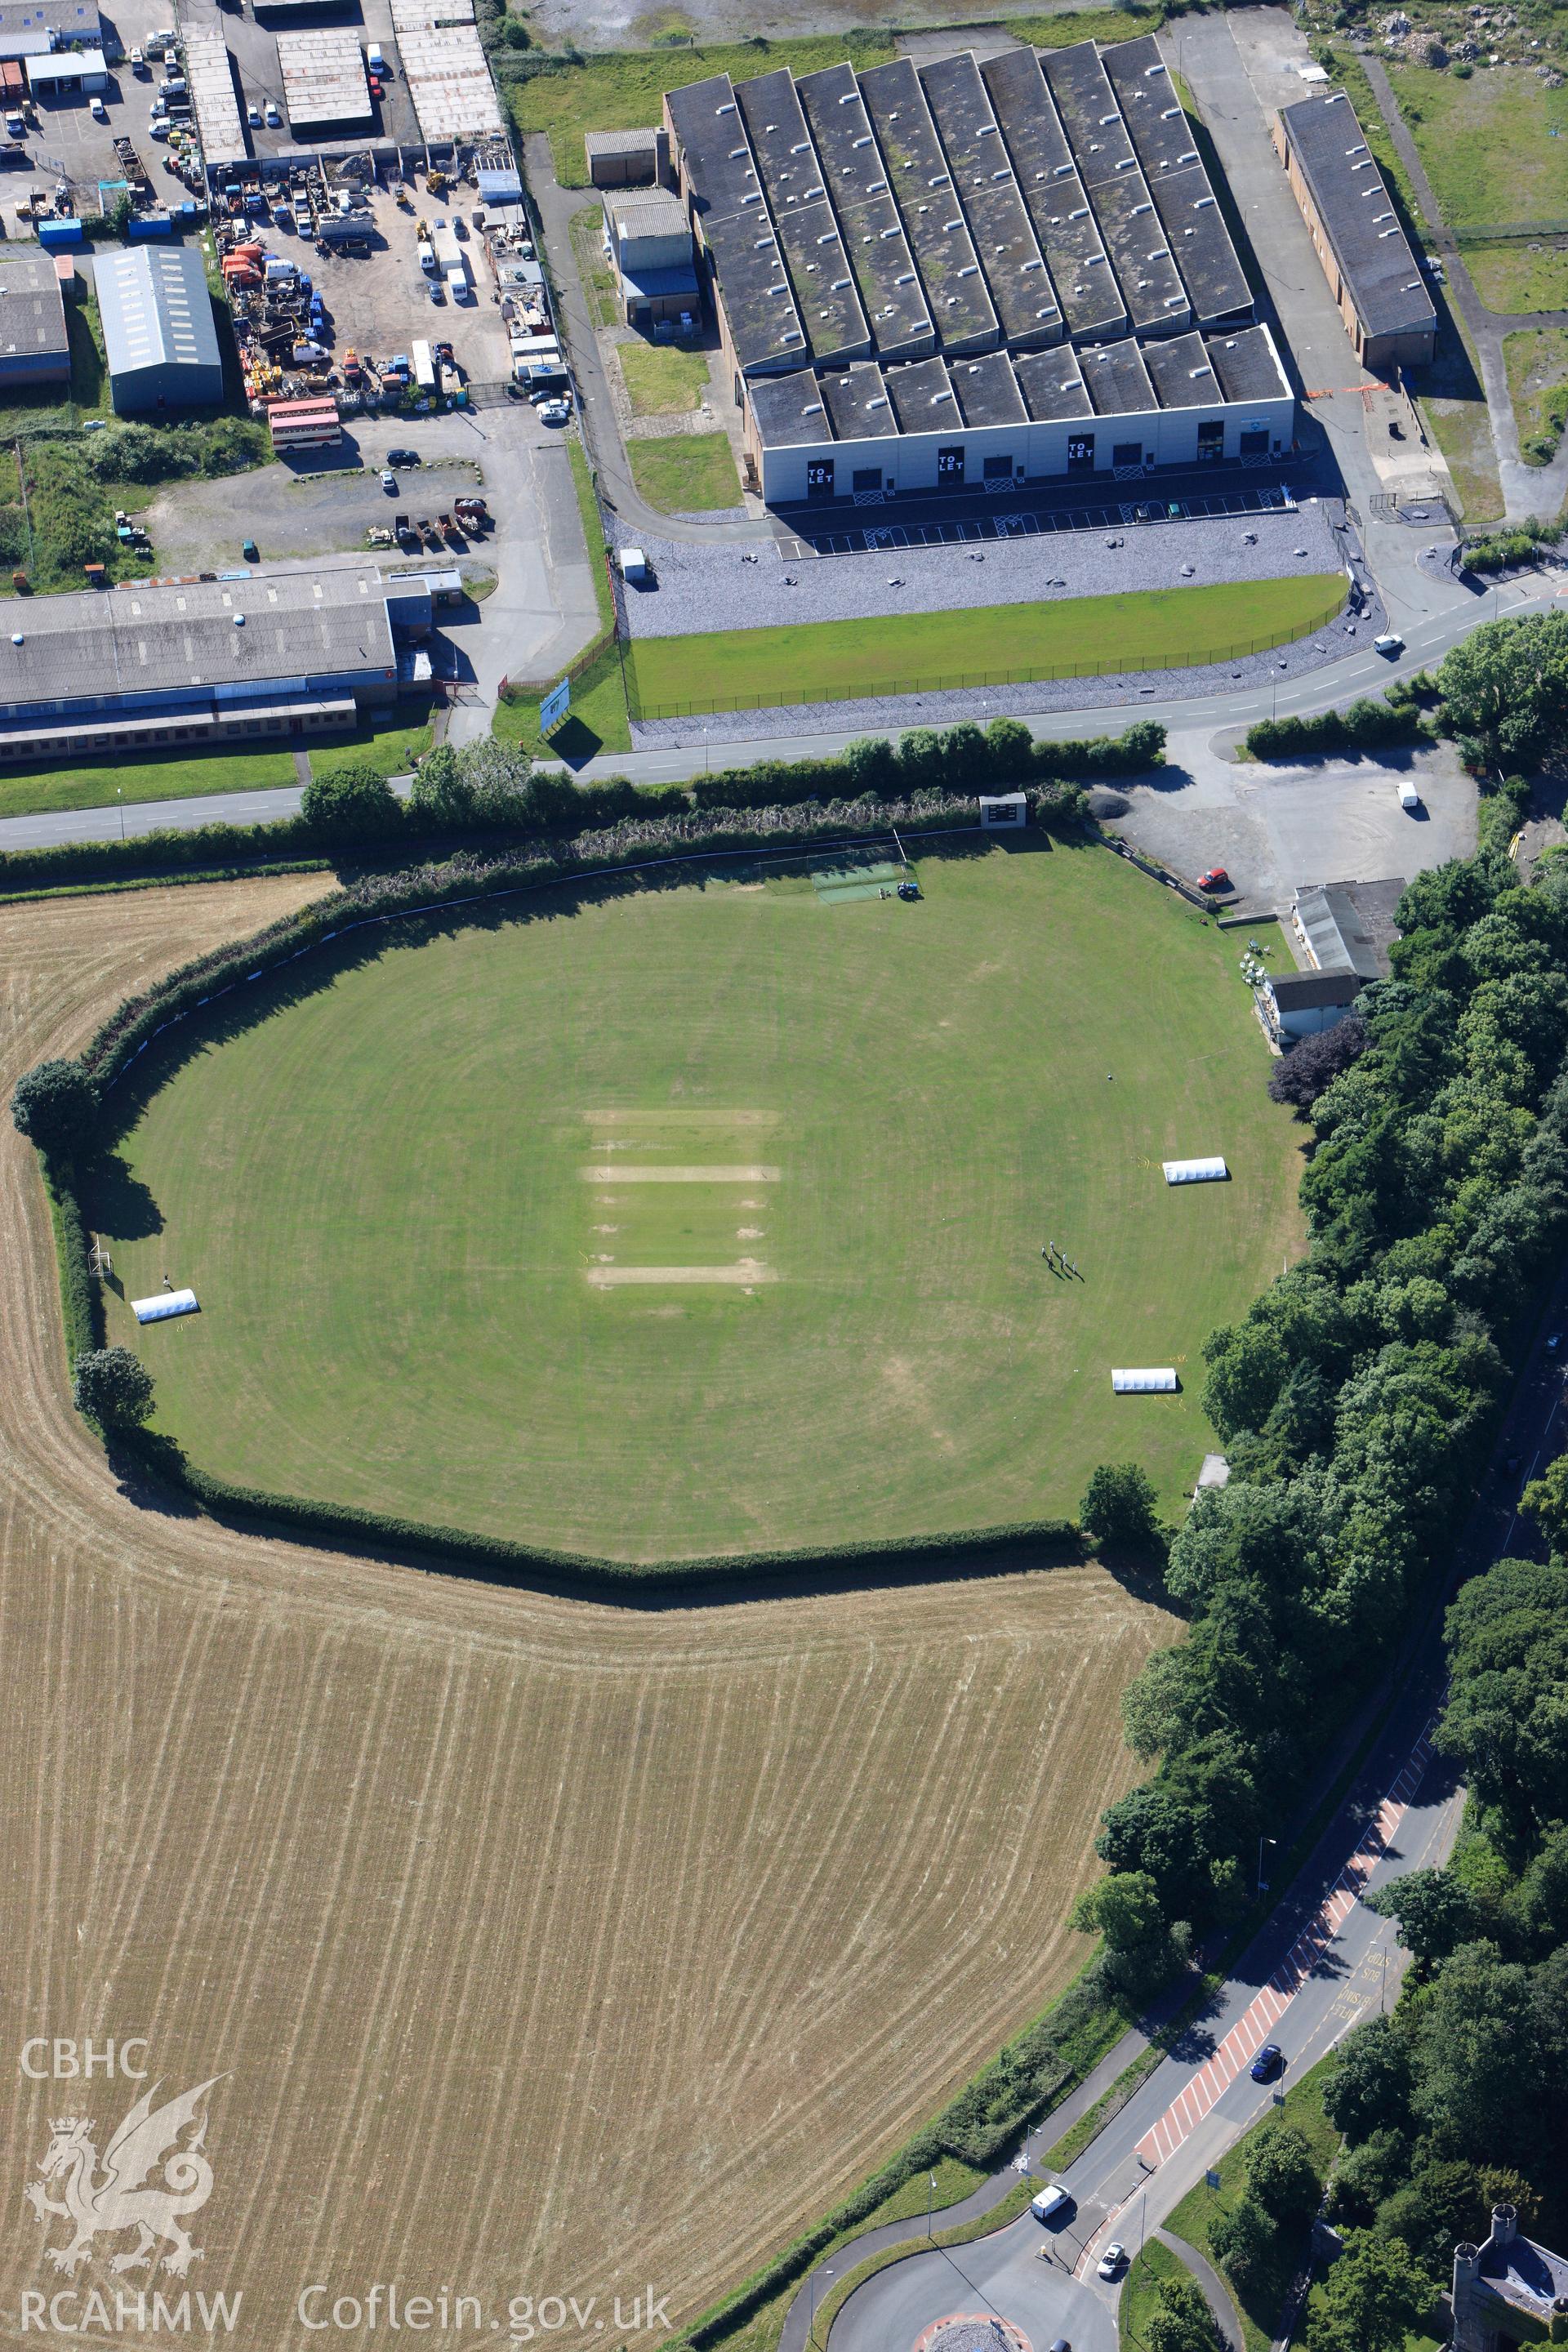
(194, 662)
(960, 273)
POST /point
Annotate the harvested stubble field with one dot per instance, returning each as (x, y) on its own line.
(542, 1946)
(660, 1223)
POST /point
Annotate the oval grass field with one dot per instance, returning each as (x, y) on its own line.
(709, 1218)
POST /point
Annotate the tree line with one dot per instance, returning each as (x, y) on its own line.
(1358, 1399)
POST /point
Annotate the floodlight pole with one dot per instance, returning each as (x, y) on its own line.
(898, 845)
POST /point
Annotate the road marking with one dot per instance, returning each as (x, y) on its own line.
(1251, 2031)
(1246, 2036)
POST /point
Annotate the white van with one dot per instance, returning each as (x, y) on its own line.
(1409, 798)
(1049, 2202)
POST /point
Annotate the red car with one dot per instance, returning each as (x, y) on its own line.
(1216, 878)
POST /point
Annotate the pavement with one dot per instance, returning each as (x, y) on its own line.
(1277, 826)
(1205, 717)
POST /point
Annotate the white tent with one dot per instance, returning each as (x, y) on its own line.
(165, 1304)
(1196, 1172)
(1144, 1380)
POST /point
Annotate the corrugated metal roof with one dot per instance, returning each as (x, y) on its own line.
(135, 640)
(155, 309)
(323, 76)
(448, 79)
(210, 73)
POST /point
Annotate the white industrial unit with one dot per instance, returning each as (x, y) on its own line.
(1147, 1381)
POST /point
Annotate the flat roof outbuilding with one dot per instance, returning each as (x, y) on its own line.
(33, 344)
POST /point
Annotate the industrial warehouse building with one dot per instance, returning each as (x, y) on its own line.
(159, 334)
(31, 28)
(1373, 274)
(198, 662)
(965, 274)
(34, 348)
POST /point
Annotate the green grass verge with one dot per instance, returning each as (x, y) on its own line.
(662, 379)
(689, 473)
(1487, 144)
(955, 2180)
(507, 1394)
(1261, 2306)
(1089, 2126)
(596, 721)
(391, 745)
(1520, 276)
(832, 2304)
(825, 661)
(1537, 365)
(593, 271)
(1140, 2292)
(622, 90)
(162, 775)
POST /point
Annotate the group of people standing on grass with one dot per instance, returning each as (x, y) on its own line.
(1059, 1262)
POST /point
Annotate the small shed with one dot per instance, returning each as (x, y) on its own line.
(1149, 1380)
(1196, 1172)
(1003, 812)
(628, 159)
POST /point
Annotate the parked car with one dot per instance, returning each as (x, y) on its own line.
(1409, 798)
(15, 126)
(388, 480)
(1269, 2062)
(159, 126)
(426, 253)
(1113, 2261)
(250, 552)
(253, 116)
(274, 118)
(138, 62)
(555, 412)
(1216, 878)
(97, 109)
(1390, 643)
(1051, 2203)
(403, 457)
(436, 291)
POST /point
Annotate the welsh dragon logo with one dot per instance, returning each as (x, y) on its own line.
(104, 2201)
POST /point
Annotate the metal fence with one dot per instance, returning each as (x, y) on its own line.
(805, 690)
(1503, 232)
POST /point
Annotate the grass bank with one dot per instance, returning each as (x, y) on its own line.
(662, 379)
(831, 661)
(1261, 2306)
(622, 90)
(1494, 147)
(164, 775)
(689, 472)
(1537, 365)
(1140, 2296)
(393, 745)
(1519, 275)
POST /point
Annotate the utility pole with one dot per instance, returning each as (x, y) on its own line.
(1262, 1882)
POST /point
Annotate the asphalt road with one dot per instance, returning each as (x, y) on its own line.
(1360, 672)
